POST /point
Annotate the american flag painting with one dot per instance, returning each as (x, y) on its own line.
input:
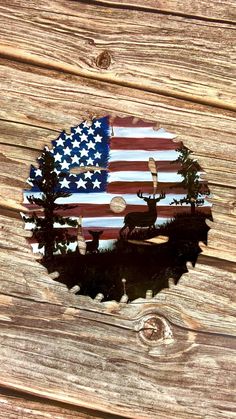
(107, 159)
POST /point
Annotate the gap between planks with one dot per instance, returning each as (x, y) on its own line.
(137, 6)
(21, 403)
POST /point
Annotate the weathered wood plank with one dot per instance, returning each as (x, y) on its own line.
(67, 348)
(212, 9)
(57, 92)
(15, 404)
(198, 70)
(143, 381)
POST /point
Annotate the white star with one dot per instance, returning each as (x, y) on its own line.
(29, 182)
(86, 124)
(78, 130)
(89, 161)
(91, 145)
(64, 183)
(97, 155)
(81, 184)
(57, 157)
(75, 159)
(90, 131)
(84, 152)
(84, 137)
(97, 124)
(69, 137)
(67, 151)
(98, 138)
(60, 141)
(81, 164)
(57, 171)
(38, 172)
(65, 165)
(97, 171)
(96, 184)
(75, 143)
(88, 175)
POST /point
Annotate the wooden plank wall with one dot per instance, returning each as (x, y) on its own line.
(170, 62)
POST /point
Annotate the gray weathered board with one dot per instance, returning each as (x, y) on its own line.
(171, 62)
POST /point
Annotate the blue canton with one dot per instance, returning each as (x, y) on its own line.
(86, 146)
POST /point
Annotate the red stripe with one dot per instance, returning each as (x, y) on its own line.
(155, 144)
(129, 122)
(162, 166)
(121, 188)
(146, 187)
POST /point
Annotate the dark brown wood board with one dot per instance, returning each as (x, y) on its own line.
(168, 62)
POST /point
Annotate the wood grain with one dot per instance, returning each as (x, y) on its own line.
(31, 362)
(200, 70)
(167, 62)
(211, 10)
(15, 404)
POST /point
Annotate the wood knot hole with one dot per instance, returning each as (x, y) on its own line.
(104, 60)
(152, 329)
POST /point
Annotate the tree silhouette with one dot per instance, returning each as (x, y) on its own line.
(46, 180)
(196, 190)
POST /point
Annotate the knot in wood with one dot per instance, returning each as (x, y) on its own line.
(104, 60)
(152, 329)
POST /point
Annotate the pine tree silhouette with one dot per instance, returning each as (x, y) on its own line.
(48, 184)
(196, 191)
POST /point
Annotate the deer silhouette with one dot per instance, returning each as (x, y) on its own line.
(92, 245)
(142, 219)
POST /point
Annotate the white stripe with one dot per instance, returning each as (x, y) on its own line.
(106, 244)
(139, 176)
(142, 132)
(91, 222)
(105, 198)
(111, 222)
(142, 155)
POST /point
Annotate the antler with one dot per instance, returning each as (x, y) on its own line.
(161, 196)
(140, 194)
(146, 199)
